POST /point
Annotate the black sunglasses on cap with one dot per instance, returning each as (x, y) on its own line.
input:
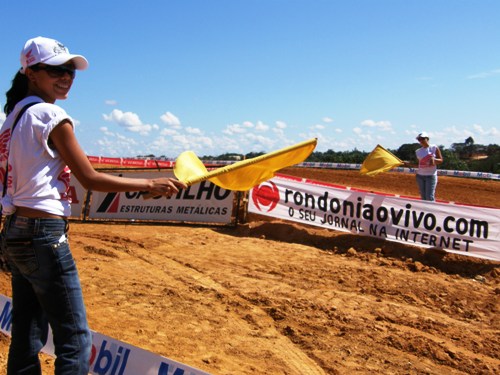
(56, 71)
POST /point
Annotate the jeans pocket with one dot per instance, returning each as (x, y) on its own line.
(61, 252)
(22, 254)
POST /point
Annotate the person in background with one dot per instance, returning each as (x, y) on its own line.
(38, 156)
(428, 156)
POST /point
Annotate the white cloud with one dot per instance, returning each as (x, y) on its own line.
(227, 144)
(169, 132)
(281, 125)
(424, 78)
(279, 132)
(382, 125)
(361, 136)
(129, 121)
(111, 102)
(172, 146)
(261, 127)
(234, 129)
(196, 144)
(318, 127)
(458, 134)
(492, 132)
(2, 118)
(248, 124)
(105, 131)
(487, 74)
(117, 145)
(327, 119)
(260, 143)
(244, 127)
(170, 119)
(191, 130)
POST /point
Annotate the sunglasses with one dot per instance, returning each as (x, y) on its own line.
(55, 71)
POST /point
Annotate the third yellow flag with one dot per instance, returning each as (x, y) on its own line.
(378, 161)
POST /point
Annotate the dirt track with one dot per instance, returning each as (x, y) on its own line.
(276, 298)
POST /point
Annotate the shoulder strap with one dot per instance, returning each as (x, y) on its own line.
(18, 117)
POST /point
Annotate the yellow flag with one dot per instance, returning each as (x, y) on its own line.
(378, 161)
(245, 174)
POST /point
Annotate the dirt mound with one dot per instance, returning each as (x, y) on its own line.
(344, 243)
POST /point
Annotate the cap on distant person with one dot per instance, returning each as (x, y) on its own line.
(423, 135)
(50, 52)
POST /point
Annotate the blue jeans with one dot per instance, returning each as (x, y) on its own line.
(45, 290)
(427, 187)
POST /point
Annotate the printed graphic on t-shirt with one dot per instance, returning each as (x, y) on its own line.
(65, 177)
(4, 153)
(4, 145)
(2, 176)
(426, 162)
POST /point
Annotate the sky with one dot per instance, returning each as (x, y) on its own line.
(240, 76)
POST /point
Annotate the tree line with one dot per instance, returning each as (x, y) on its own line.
(466, 156)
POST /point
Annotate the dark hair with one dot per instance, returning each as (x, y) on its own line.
(17, 92)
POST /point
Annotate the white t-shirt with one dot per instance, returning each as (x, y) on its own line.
(424, 156)
(38, 177)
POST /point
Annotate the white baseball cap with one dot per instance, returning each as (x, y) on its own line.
(423, 135)
(50, 52)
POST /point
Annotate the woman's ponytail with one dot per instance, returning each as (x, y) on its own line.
(16, 93)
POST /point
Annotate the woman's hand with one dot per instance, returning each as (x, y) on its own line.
(165, 186)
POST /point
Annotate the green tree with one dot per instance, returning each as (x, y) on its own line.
(469, 146)
(452, 161)
(406, 151)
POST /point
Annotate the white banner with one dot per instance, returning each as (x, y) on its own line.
(110, 356)
(203, 202)
(466, 230)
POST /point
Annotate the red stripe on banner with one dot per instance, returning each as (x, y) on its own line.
(327, 184)
(113, 161)
(289, 178)
(94, 159)
(134, 162)
(165, 164)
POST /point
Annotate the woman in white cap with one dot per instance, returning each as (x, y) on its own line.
(429, 156)
(38, 149)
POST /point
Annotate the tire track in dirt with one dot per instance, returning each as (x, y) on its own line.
(250, 314)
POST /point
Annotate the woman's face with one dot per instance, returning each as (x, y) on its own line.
(51, 82)
(423, 141)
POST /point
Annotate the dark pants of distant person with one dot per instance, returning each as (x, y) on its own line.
(427, 187)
